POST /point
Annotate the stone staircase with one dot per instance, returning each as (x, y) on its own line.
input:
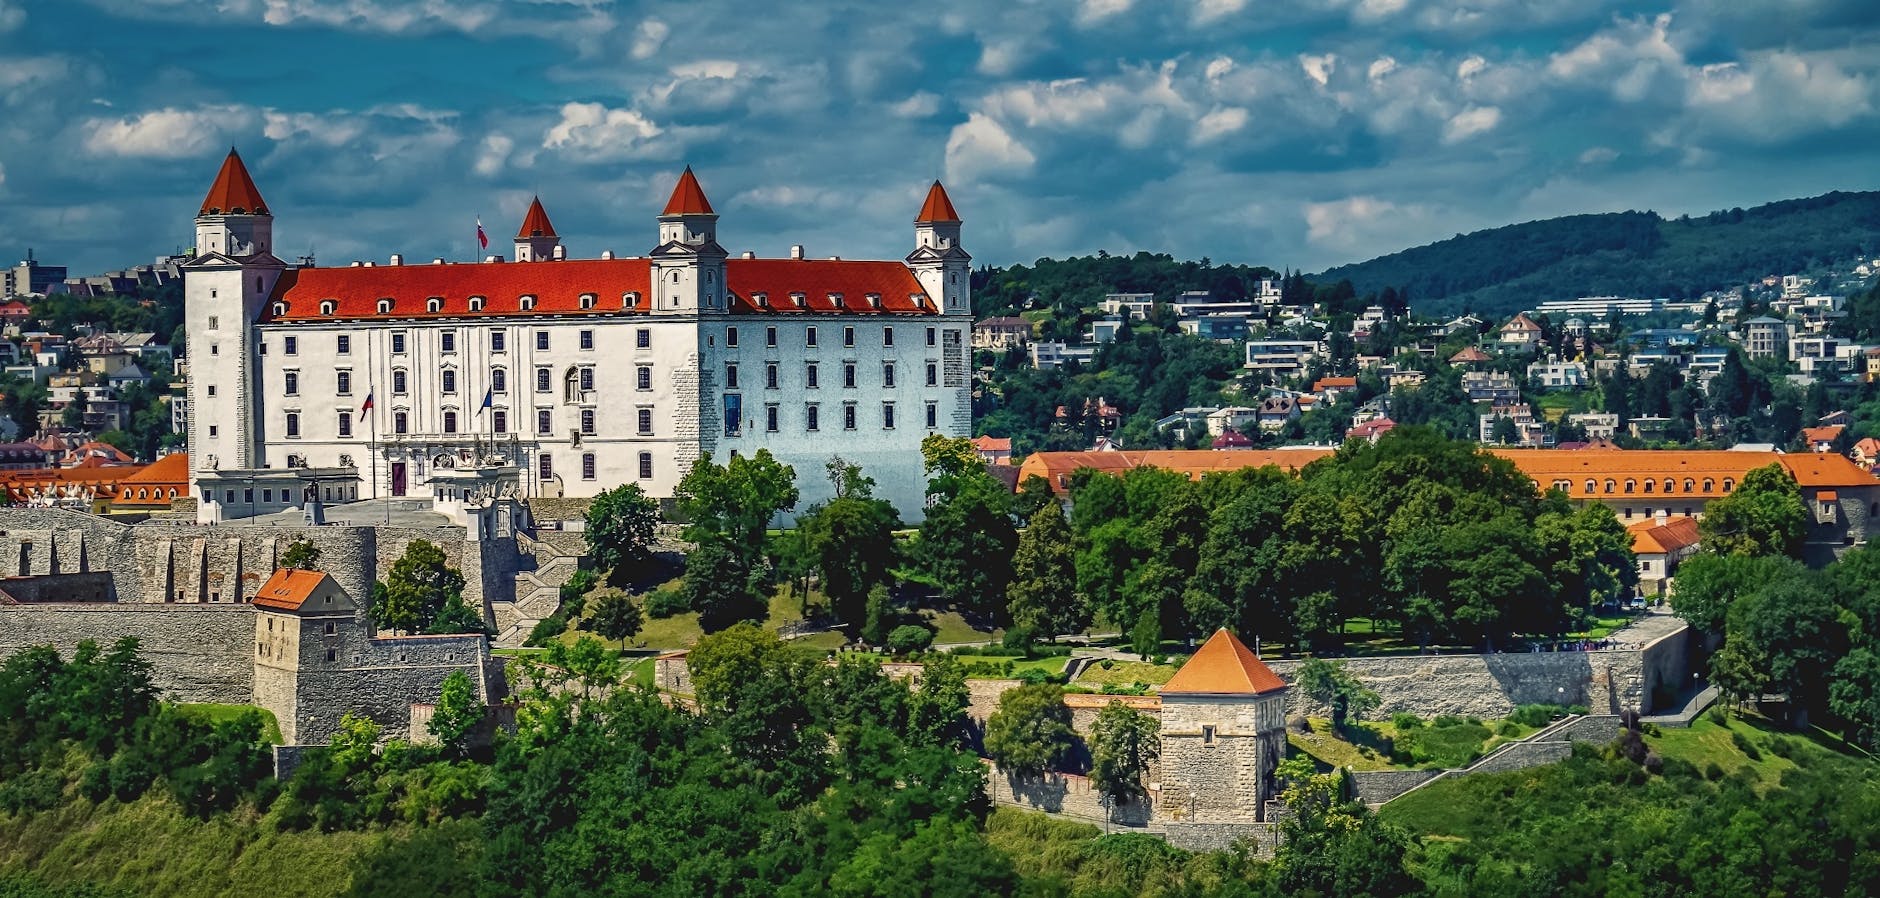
(1543, 746)
(538, 590)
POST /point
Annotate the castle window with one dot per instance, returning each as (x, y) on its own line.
(809, 335)
(770, 337)
(848, 416)
(630, 300)
(874, 300)
(770, 375)
(587, 466)
(333, 655)
(587, 421)
(587, 380)
(434, 305)
(544, 421)
(811, 417)
(836, 300)
(290, 383)
(401, 422)
(290, 345)
(332, 629)
(644, 418)
(587, 340)
(449, 381)
(761, 299)
(447, 341)
(1728, 484)
(810, 378)
(919, 300)
(342, 344)
(799, 300)
(643, 338)
(731, 336)
(498, 340)
(399, 381)
(932, 336)
(848, 375)
(646, 466)
(887, 375)
(1709, 485)
(887, 416)
(328, 306)
(1648, 484)
(499, 380)
(1610, 485)
(1207, 734)
(476, 303)
(293, 424)
(933, 380)
(398, 342)
(542, 378)
(643, 378)
(385, 306)
(345, 424)
(280, 308)
(545, 466)
(933, 415)
(528, 303)
(887, 336)
(541, 340)
(450, 422)
(848, 336)
(587, 300)
(1630, 485)
(731, 376)
(342, 382)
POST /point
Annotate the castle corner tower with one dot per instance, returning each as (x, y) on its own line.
(688, 264)
(536, 240)
(938, 261)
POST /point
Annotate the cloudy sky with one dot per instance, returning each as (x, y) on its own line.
(1297, 133)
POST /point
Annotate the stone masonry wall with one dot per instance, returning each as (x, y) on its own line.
(382, 678)
(197, 653)
(1522, 755)
(1263, 838)
(92, 586)
(1062, 793)
(1374, 787)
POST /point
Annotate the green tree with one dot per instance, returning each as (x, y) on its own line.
(1708, 585)
(936, 712)
(727, 575)
(849, 542)
(420, 587)
(967, 539)
(721, 662)
(1329, 683)
(909, 638)
(1332, 847)
(1763, 516)
(1123, 742)
(878, 616)
(457, 715)
(616, 616)
(620, 526)
(1042, 596)
(1030, 731)
(301, 555)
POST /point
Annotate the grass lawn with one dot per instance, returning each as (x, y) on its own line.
(1126, 673)
(1367, 748)
(213, 713)
(1052, 665)
(1743, 741)
(949, 628)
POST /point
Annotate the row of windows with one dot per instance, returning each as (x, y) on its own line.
(499, 422)
(812, 417)
(545, 466)
(642, 339)
(812, 378)
(435, 304)
(1632, 486)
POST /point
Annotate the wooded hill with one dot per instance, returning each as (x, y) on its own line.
(1640, 254)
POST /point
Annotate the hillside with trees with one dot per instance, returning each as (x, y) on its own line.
(1502, 270)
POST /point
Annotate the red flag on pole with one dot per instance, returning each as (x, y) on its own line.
(483, 240)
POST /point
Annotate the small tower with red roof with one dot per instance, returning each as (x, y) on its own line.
(688, 263)
(536, 240)
(938, 261)
(1223, 734)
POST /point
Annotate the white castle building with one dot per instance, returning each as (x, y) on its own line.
(568, 376)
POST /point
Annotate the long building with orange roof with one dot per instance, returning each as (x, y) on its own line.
(1637, 484)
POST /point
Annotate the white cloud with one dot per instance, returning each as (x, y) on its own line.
(979, 146)
(1000, 58)
(592, 132)
(376, 15)
(1598, 155)
(1319, 68)
(1372, 10)
(493, 154)
(11, 16)
(1219, 123)
(1091, 12)
(921, 105)
(1334, 221)
(166, 133)
(1629, 58)
(1470, 67)
(1384, 65)
(1218, 68)
(3, 176)
(1208, 12)
(328, 131)
(1470, 122)
(648, 38)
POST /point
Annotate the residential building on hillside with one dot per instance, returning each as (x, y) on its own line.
(1491, 386)
(565, 376)
(1134, 306)
(1554, 374)
(1001, 334)
(1765, 338)
(1047, 354)
(29, 278)
(1283, 358)
(1598, 425)
(1659, 544)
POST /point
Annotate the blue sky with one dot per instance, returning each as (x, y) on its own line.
(1292, 134)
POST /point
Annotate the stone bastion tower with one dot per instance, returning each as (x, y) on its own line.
(1223, 735)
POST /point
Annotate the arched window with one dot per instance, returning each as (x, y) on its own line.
(1728, 484)
(571, 386)
(385, 306)
(328, 306)
(587, 300)
(1648, 484)
(528, 303)
(1669, 484)
(280, 308)
(630, 300)
(434, 305)
(399, 380)
(1689, 484)
(1630, 484)
(1709, 485)
(1610, 485)
(1591, 486)
(499, 380)
(476, 303)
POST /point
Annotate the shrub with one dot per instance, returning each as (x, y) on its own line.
(1454, 743)
(909, 638)
(665, 602)
(1717, 715)
(1745, 746)
(1781, 748)
(1404, 720)
(1577, 709)
(546, 629)
(1713, 771)
(1446, 720)
(1509, 728)
(1536, 715)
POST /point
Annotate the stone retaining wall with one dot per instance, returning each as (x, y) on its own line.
(93, 586)
(1522, 755)
(1263, 838)
(1062, 793)
(197, 653)
(1374, 787)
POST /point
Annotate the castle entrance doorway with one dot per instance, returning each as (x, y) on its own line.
(398, 478)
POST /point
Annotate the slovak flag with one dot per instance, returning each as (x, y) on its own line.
(367, 406)
(488, 397)
(483, 240)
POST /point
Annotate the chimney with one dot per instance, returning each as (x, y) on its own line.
(355, 264)
(398, 259)
(796, 251)
(366, 264)
(607, 255)
(438, 261)
(747, 254)
(561, 252)
(492, 258)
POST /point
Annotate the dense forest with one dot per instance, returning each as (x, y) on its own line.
(1502, 270)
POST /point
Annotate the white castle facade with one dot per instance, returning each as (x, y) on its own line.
(566, 377)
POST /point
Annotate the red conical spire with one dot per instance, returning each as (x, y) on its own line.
(937, 208)
(535, 224)
(687, 197)
(234, 192)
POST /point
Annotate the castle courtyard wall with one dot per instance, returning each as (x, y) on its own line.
(197, 653)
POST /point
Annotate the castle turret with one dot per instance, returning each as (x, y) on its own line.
(536, 240)
(224, 289)
(938, 261)
(1223, 734)
(688, 264)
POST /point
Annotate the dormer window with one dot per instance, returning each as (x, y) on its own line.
(434, 305)
(630, 300)
(799, 300)
(874, 300)
(476, 303)
(919, 299)
(762, 300)
(587, 300)
(528, 303)
(328, 306)
(385, 306)
(280, 309)
(836, 299)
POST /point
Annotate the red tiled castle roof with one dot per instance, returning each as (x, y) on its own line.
(233, 192)
(938, 207)
(1223, 665)
(687, 197)
(535, 224)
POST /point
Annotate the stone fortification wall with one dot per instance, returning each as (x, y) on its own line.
(197, 653)
(37, 541)
(94, 586)
(545, 509)
(382, 678)
(1263, 838)
(1062, 793)
(1219, 755)
(1522, 755)
(1491, 686)
(1374, 787)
